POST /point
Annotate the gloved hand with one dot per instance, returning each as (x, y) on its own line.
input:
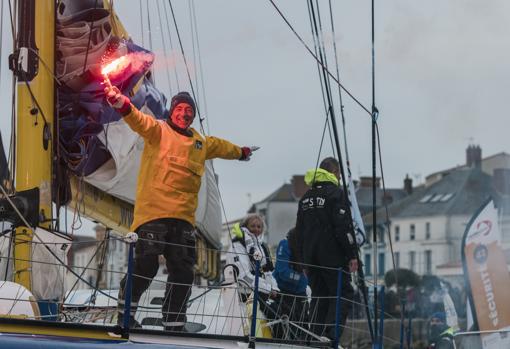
(116, 99)
(246, 152)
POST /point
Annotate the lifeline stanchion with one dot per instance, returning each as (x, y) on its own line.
(127, 296)
(253, 330)
(338, 308)
(381, 319)
(402, 324)
(409, 330)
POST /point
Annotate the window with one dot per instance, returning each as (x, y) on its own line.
(412, 260)
(397, 259)
(368, 265)
(397, 233)
(412, 230)
(447, 197)
(380, 265)
(436, 198)
(428, 262)
(426, 198)
(427, 231)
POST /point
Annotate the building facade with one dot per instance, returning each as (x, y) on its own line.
(426, 228)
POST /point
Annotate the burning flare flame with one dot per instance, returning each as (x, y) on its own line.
(128, 64)
(115, 66)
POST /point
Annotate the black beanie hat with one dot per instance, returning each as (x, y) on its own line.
(182, 97)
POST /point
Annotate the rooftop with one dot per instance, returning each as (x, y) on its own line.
(460, 192)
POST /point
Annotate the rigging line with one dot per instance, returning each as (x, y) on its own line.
(11, 238)
(202, 79)
(186, 65)
(325, 80)
(77, 208)
(47, 132)
(193, 50)
(34, 100)
(344, 185)
(149, 25)
(164, 48)
(347, 160)
(90, 39)
(13, 25)
(45, 65)
(317, 59)
(387, 223)
(40, 240)
(320, 147)
(174, 62)
(141, 21)
(225, 252)
(374, 173)
(101, 264)
(318, 67)
(361, 277)
(316, 52)
(322, 47)
(84, 270)
(17, 298)
(326, 110)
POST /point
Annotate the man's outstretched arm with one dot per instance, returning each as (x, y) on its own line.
(143, 124)
(220, 148)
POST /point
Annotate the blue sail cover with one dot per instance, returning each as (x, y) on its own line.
(84, 43)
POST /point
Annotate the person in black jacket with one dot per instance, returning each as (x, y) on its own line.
(326, 243)
(441, 336)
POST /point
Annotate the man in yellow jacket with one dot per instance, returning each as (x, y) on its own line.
(172, 164)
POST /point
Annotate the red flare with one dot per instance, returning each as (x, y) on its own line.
(115, 66)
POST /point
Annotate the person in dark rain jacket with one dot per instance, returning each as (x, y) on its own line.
(326, 243)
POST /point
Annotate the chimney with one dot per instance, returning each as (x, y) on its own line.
(501, 180)
(299, 187)
(387, 199)
(408, 185)
(366, 182)
(474, 156)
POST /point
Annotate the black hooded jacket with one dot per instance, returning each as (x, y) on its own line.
(324, 227)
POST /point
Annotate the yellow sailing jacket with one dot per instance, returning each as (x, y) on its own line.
(171, 168)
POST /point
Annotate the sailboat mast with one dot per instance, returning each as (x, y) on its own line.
(32, 62)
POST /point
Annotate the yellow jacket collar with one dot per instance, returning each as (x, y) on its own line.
(319, 175)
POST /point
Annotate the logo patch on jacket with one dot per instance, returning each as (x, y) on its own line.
(313, 202)
(198, 144)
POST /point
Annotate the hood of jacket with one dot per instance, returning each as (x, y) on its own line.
(319, 175)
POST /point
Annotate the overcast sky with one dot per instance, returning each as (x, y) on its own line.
(442, 82)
